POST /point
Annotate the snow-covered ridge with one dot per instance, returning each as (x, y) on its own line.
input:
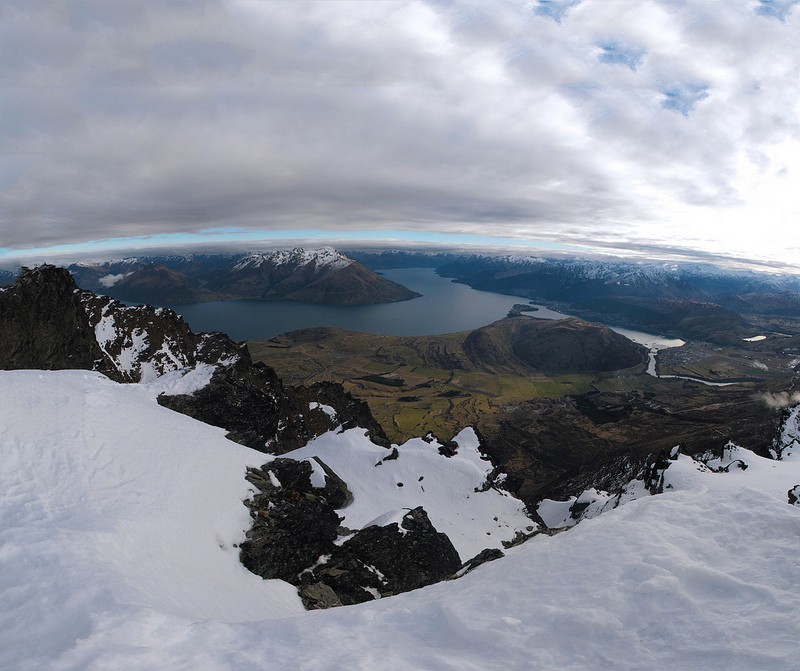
(322, 258)
(615, 271)
(119, 520)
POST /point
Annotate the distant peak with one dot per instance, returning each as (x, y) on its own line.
(321, 257)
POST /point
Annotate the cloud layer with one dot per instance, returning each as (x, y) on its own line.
(650, 124)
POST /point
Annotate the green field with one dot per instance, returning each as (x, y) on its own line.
(434, 396)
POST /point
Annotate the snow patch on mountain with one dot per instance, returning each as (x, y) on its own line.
(590, 503)
(323, 258)
(454, 491)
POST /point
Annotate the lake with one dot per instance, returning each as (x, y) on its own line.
(445, 307)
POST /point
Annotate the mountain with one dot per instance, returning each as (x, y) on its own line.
(686, 300)
(312, 276)
(121, 521)
(123, 527)
(49, 324)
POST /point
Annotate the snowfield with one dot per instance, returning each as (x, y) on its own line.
(119, 521)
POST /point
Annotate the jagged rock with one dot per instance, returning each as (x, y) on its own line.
(318, 595)
(48, 323)
(292, 525)
(44, 325)
(257, 410)
(380, 561)
(336, 492)
(794, 496)
(484, 556)
(294, 528)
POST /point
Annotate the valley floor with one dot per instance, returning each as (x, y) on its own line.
(118, 529)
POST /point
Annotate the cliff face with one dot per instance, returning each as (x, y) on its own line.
(43, 324)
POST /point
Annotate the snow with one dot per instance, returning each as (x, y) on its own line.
(324, 257)
(328, 410)
(183, 381)
(118, 520)
(444, 486)
(591, 503)
(755, 338)
(114, 506)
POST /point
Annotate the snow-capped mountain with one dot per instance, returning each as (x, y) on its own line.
(311, 275)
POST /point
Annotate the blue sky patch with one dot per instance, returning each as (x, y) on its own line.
(779, 9)
(684, 97)
(618, 52)
(555, 9)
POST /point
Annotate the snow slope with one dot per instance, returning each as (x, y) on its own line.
(117, 525)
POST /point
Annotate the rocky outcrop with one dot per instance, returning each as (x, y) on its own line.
(295, 525)
(252, 404)
(48, 323)
(44, 325)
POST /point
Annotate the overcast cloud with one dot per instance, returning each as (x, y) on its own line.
(645, 123)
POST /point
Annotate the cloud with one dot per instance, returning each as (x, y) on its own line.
(780, 399)
(511, 119)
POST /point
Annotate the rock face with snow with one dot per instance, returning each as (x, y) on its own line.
(48, 323)
(295, 531)
(252, 404)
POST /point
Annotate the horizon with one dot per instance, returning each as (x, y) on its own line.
(650, 129)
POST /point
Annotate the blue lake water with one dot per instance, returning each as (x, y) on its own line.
(445, 307)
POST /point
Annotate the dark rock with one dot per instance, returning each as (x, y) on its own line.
(407, 557)
(257, 410)
(318, 595)
(292, 525)
(294, 529)
(44, 325)
(794, 496)
(486, 555)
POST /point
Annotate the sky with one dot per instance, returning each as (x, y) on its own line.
(663, 128)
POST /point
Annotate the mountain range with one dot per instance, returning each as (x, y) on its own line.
(686, 300)
(313, 276)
